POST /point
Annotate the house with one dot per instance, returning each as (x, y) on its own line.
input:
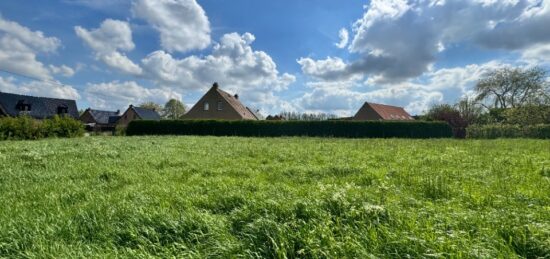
(137, 113)
(97, 120)
(14, 105)
(217, 104)
(373, 111)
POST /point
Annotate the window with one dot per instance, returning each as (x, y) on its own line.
(220, 105)
(62, 110)
(23, 106)
(206, 106)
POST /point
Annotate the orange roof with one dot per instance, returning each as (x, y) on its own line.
(237, 105)
(388, 112)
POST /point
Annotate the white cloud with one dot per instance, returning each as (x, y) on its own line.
(537, 54)
(36, 88)
(118, 95)
(397, 40)
(62, 70)
(343, 34)
(182, 24)
(20, 46)
(108, 41)
(233, 63)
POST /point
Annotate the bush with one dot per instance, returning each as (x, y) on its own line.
(347, 129)
(494, 131)
(27, 128)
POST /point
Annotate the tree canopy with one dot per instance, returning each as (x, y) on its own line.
(174, 109)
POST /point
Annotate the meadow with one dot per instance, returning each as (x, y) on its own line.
(231, 197)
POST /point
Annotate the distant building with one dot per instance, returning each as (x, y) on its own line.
(373, 111)
(137, 113)
(217, 104)
(14, 105)
(97, 120)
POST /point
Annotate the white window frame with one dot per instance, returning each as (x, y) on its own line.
(206, 106)
(220, 105)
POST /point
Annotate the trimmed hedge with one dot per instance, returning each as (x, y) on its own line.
(493, 131)
(345, 129)
(27, 128)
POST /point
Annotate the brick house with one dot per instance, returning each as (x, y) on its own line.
(373, 111)
(137, 113)
(217, 104)
(97, 120)
(14, 105)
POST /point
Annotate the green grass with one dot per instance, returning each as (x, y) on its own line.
(281, 197)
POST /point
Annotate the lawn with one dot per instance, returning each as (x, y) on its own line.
(274, 197)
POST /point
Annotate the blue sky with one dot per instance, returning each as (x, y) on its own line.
(286, 55)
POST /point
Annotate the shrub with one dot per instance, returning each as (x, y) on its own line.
(27, 128)
(347, 129)
(493, 131)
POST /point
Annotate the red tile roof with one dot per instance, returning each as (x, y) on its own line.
(388, 112)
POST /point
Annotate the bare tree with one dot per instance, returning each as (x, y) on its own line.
(513, 87)
(152, 106)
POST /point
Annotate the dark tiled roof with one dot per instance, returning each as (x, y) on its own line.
(41, 107)
(102, 117)
(237, 105)
(388, 112)
(114, 119)
(146, 114)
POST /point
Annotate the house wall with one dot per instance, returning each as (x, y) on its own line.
(366, 113)
(212, 97)
(127, 117)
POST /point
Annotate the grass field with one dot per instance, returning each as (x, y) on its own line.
(280, 197)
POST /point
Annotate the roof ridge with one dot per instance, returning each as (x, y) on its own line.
(32, 96)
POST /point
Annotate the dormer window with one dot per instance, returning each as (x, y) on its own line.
(62, 110)
(206, 106)
(23, 106)
(220, 105)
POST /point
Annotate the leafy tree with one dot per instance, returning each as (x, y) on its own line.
(469, 110)
(295, 116)
(151, 106)
(528, 115)
(513, 87)
(174, 109)
(451, 115)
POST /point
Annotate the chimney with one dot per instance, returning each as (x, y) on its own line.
(236, 96)
(117, 111)
(215, 86)
(131, 106)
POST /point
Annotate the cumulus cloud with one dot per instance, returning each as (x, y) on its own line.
(108, 41)
(344, 38)
(182, 24)
(52, 89)
(118, 95)
(233, 63)
(62, 70)
(397, 40)
(20, 46)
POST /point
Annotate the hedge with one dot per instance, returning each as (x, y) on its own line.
(27, 128)
(493, 131)
(346, 129)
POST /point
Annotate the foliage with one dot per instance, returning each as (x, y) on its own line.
(174, 109)
(352, 129)
(493, 131)
(527, 115)
(451, 115)
(27, 128)
(295, 116)
(212, 197)
(152, 106)
(513, 87)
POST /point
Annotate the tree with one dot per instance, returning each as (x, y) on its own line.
(470, 111)
(174, 109)
(151, 106)
(451, 115)
(513, 87)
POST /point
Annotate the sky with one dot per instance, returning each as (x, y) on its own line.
(323, 56)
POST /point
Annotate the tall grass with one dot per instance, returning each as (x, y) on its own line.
(208, 197)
